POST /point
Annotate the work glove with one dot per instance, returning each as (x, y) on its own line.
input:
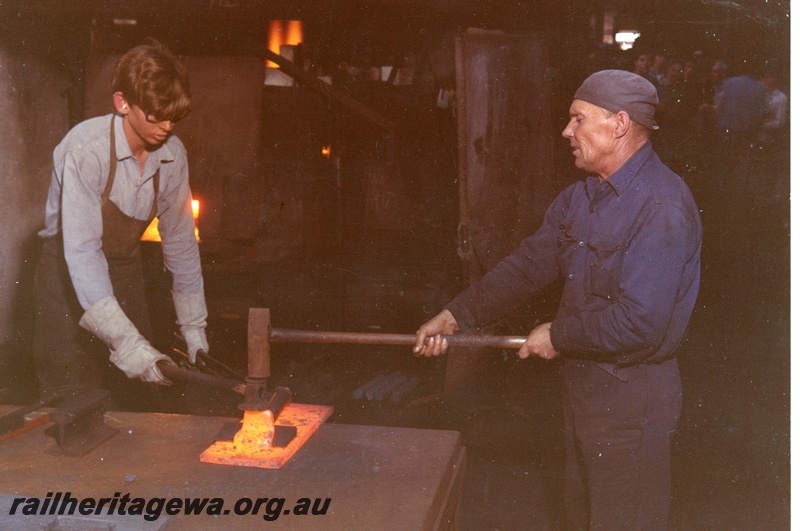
(131, 352)
(190, 308)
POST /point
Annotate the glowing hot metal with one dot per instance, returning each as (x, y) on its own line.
(257, 444)
(272, 429)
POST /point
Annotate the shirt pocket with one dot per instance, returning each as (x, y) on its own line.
(605, 266)
(566, 242)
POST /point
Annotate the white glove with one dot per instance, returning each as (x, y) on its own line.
(190, 308)
(141, 363)
(131, 352)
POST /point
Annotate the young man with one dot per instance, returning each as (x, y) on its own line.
(626, 242)
(111, 176)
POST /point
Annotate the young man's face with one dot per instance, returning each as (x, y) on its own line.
(151, 132)
(590, 132)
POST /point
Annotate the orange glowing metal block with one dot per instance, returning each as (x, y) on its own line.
(252, 444)
(257, 434)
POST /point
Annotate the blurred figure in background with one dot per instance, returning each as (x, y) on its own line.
(658, 68)
(777, 108)
(674, 117)
(773, 138)
(740, 107)
(641, 66)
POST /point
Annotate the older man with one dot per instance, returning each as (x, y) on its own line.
(626, 242)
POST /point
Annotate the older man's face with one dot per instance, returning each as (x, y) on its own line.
(590, 132)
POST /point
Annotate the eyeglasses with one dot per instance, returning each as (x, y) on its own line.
(151, 119)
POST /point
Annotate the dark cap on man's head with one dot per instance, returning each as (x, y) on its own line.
(620, 90)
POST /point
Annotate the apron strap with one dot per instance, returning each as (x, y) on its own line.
(112, 172)
(112, 167)
(154, 210)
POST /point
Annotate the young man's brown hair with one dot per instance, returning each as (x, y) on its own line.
(150, 77)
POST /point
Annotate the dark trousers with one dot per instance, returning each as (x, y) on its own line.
(619, 424)
(67, 357)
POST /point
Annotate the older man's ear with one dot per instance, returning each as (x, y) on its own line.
(622, 124)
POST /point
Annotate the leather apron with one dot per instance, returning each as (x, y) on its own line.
(67, 357)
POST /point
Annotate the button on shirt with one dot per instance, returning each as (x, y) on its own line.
(80, 171)
(628, 249)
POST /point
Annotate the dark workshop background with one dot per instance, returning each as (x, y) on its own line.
(365, 202)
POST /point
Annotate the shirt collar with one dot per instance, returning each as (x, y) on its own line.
(623, 177)
(120, 141)
(162, 154)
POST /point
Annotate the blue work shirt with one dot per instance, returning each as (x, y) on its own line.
(80, 171)
(628, 249)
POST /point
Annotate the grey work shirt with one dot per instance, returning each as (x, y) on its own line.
(80, 172)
